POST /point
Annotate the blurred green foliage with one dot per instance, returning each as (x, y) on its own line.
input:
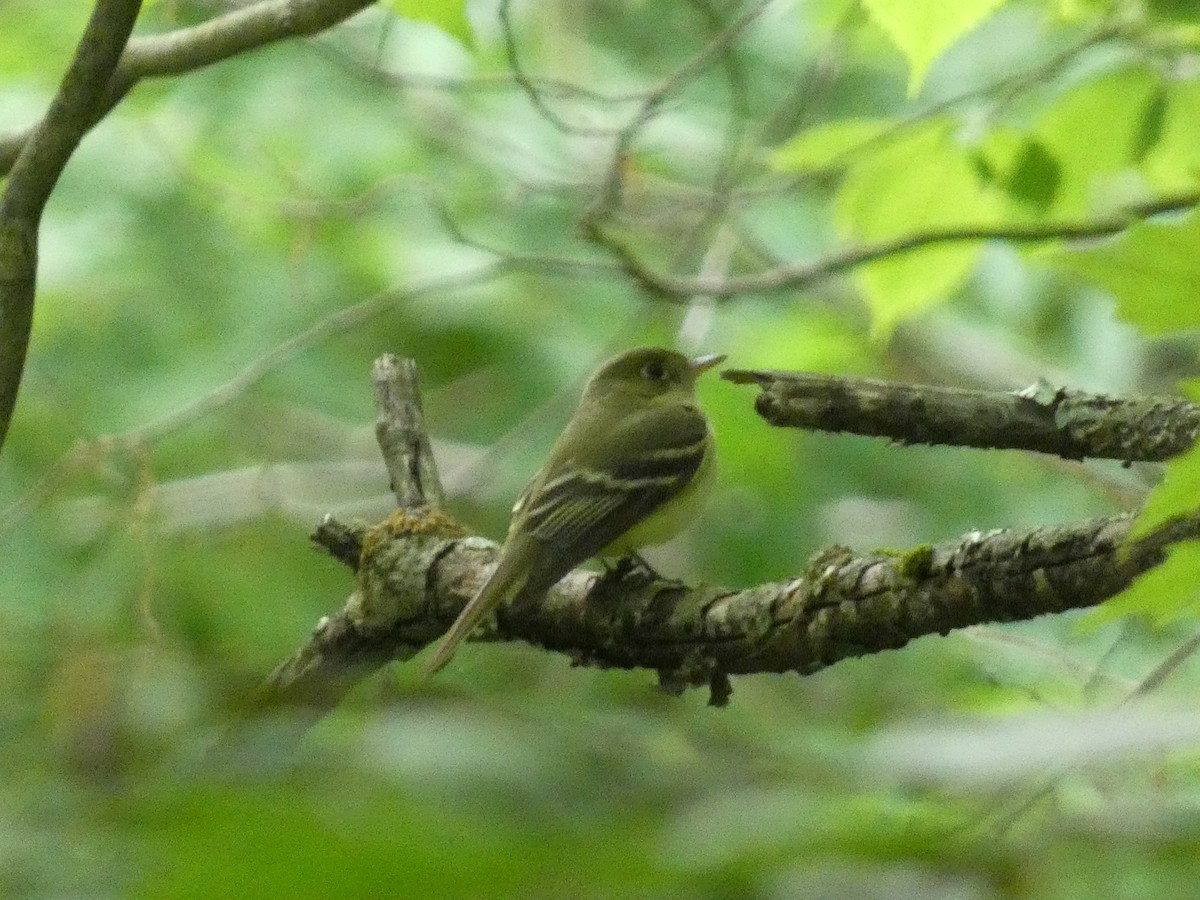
(229, 250)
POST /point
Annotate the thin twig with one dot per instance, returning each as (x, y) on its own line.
(1004, 820)
(340, 321)
(85, 454)
(609, 196)
(426, 81)
(798, 275)
(1166, 668)
(531, 89)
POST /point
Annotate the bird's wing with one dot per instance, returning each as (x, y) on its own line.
(579, 504)
(584, 503)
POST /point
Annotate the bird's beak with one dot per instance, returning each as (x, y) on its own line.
(702, 364)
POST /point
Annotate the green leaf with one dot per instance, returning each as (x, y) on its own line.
(1096, 131)
(1183, 11)
(1153, 270)
(1072, 12)
(818, 147)
(1020, 166)
(1172, 589)
(923, 182)
(923, 29)
(1173, 163)
(1150, 126)
(1168, 592)
(448, 15)
(1179, 490)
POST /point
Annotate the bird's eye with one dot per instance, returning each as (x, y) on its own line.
(654, 371)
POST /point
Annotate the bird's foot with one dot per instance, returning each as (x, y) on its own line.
(634, 563)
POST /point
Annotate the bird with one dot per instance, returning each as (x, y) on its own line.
(627, 472)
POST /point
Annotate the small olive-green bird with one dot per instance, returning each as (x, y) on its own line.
(627, 472)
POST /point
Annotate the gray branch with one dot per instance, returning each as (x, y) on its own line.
(400, 430)
(187, 49)
(1067, 423)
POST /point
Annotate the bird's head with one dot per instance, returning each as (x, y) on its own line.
(648, 373)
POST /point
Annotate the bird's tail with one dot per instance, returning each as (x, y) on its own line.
(503, 587)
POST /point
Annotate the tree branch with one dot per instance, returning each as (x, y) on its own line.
(187, 49)
(340, 654)
(791, 276)
(400, 430)
(35, 172)
(417, 572)
(797, 275)
(235, 32)
(106, 66)
(1066, 423)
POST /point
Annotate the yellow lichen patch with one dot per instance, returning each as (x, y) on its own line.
(423, 520)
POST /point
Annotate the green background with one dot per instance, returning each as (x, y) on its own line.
(231, 248)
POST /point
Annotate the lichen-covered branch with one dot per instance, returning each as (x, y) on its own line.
(1067, 423)
(416, 571)
(347, 647)
(34, 173)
